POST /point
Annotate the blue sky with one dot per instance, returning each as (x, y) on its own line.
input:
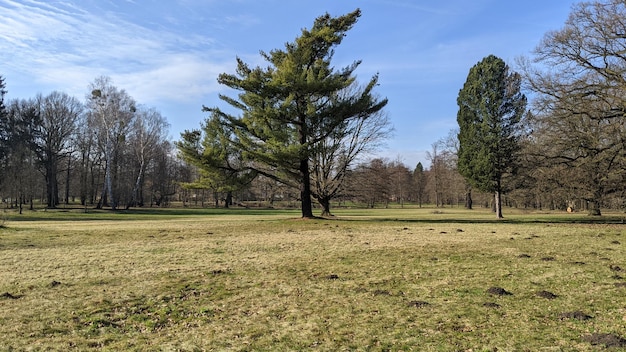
(168, 54)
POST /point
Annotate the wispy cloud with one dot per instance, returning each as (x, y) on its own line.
(66, 45)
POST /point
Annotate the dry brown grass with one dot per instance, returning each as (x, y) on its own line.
(363, 281)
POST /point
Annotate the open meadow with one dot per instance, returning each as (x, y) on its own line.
(261, 280)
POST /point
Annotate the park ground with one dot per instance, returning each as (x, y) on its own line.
(259, 280)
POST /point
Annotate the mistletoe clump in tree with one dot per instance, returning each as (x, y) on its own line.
(290, 109)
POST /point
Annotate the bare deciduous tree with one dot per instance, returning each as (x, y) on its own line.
(580, 81)
(58, 116)
(111, 112)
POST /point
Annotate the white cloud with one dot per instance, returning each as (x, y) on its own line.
(62, 45)
(179, 77)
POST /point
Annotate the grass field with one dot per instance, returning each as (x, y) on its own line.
(370, 280)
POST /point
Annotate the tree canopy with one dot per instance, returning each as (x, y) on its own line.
(580, 105)
(289, 109)
(491, 107)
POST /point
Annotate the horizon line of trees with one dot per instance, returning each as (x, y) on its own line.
(105, 151)
(304, 131)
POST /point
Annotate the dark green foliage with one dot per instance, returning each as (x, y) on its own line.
(3, 116)
(290, 107)
(219, 163)
(419, 182)
(491, 108)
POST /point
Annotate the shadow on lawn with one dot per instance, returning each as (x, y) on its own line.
(90, 214)
(526, 219)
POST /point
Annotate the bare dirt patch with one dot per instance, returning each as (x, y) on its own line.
(491, 305)
(546, 294)
(498, 291)
(607, 340)
(382, 293)
(578, 315)
(418, 304)
(8, 295)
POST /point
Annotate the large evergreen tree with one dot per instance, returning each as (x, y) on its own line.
(4, 130)
(291, 106)
(491, 108)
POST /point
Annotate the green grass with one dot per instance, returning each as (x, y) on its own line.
(250, 280)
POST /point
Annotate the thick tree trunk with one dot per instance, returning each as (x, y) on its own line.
(305, 189)
(229, 199)
(498, 204)
(52, 187)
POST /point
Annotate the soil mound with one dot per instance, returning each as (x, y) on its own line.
(578, 315)
(418, 304)
(608, 340)
(498, 291)
(491, 305)
(546, 294)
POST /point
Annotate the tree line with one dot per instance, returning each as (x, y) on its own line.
(300, 131)
(105, 151)
(564, 148)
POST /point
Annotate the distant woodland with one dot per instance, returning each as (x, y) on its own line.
(545, 132)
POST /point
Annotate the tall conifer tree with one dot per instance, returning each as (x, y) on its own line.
(288, 108)
(4, 130)
(491, 108)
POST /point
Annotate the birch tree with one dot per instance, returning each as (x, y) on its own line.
(112, 112)
(147, 132)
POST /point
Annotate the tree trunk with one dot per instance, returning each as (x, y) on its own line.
(594, 208)
(108, 174)
(468, 198)
(498, 204)
(229, 199)
(305, 189)
(67, 180)
(52, 188)
(138, 181)
(325, 203)
(107, 189)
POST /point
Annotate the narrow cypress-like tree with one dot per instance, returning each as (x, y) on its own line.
(491, 108)
(4, 130)
(290, 107)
